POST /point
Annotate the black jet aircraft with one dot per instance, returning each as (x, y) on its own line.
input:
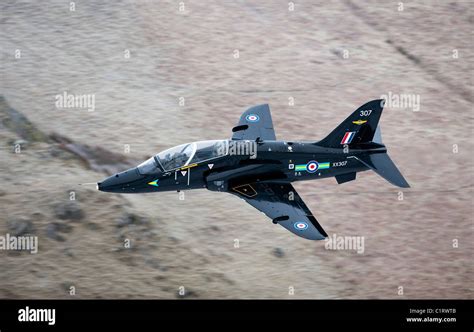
(258, 168)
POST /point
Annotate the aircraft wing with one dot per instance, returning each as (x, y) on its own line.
(283, 205)
(255, 122)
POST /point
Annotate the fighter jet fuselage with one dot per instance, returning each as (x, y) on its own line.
(271, 160)
(256, 167)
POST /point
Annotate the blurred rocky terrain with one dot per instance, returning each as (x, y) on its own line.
(163, 74)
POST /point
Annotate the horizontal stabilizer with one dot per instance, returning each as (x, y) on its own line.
(345, 177)
(381, 164)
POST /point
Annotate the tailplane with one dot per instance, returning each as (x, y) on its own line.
(381, 164)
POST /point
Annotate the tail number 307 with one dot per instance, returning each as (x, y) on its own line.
(339, 163)
(365, 113)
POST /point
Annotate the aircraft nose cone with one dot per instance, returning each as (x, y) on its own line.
(119, 182)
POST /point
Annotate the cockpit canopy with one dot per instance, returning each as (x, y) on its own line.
(183, 155)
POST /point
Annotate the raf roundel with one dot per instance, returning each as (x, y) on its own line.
(301, 226)
(252, 118)
(312, 166)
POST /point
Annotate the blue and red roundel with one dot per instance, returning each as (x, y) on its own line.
(300, 225)
(252, 118)
(312, 166)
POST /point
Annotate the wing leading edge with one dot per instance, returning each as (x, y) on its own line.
(256, 122)
(281, 203)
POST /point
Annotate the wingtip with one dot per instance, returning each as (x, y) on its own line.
(403, 185)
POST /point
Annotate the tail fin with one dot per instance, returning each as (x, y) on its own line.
(381, 164)
(359, 128)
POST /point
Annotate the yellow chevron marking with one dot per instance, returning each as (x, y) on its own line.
(189, 166)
